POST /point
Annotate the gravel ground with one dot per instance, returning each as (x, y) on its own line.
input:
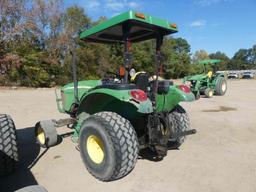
(220, 157)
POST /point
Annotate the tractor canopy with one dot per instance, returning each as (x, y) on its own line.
(141, 27)
(209, 61)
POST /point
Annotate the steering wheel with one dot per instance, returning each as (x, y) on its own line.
(115, 75)
(111, 77)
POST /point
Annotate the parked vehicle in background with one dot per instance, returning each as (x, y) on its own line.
(247, 75)
(233, 75)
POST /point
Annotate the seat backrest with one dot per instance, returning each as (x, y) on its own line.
(142, 81)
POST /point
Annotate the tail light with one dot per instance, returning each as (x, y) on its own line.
(138, 95)
(184, 88)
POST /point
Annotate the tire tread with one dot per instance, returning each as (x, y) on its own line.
(8, 145)
(125, 143)
(181, 123)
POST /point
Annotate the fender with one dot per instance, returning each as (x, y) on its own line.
(112, 100)
(174, 97)
(187, 97)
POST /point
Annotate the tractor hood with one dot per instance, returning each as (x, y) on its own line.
(83, 86)
(93, 100)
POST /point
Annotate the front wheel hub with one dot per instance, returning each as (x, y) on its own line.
(40, 136)
(223, 86)
(210, 93)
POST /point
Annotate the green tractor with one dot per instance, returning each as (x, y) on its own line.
(116, 117)
(207, 83)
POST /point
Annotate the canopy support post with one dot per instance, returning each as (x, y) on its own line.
(159, 42)
(127, 55)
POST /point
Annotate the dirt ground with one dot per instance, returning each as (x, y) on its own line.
(220, 157)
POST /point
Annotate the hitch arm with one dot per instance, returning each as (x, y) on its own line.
(184, 133)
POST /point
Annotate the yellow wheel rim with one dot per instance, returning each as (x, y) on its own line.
(95, 149)
(223, 87)
(210, 93)
(40, 136)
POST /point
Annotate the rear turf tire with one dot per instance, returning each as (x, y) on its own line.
(8, 145)
(180, 122)
(115, 138)
(220, 86)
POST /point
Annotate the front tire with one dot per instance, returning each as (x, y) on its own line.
(8, 145)
(208, 92)
(46, 133)
(108, 146)
(180, 122)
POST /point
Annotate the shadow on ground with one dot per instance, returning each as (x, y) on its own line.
(28, 157)
(221, 109)
(148, 154)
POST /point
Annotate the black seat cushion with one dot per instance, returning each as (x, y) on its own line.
(142, 81)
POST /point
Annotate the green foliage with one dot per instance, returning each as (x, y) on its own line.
(200, 55)
(143, 56)
(37, 71)
(223, 65)
(244, 59)
(176, 54)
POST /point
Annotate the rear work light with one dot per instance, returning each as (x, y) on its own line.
(138, 95)
(122, 71)
(140, 15)
(184, 88)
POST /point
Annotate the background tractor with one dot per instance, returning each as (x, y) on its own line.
(207, 83)
(115, 117)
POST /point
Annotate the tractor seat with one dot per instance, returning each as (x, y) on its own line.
(142, 81)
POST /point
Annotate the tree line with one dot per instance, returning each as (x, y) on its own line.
(36, 36)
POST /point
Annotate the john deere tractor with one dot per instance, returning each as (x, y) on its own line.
(207, 83)
(115, 117)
